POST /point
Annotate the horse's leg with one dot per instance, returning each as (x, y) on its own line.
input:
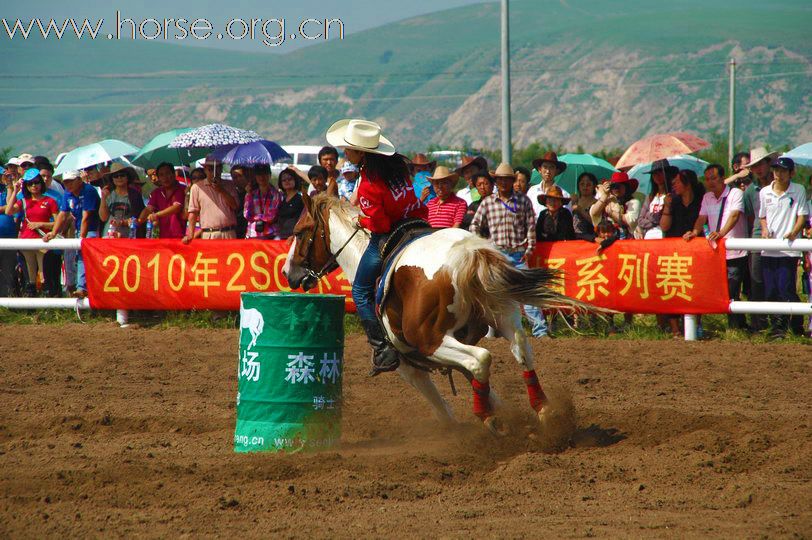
(422, 382)
(510, 326)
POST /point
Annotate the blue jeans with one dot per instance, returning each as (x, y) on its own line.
(779, 285)
(81, 278)
(534, 314)
(363, 286)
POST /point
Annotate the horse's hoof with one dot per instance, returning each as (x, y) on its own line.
(496, 426)
(557, 426)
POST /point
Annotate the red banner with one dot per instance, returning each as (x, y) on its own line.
(637, 276)
(642, 276)
(206, 274)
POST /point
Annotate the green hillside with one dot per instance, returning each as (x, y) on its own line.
(593, 73)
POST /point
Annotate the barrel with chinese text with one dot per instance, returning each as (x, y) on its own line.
(289, 372)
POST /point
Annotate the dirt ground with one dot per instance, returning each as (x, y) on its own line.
(105, 432)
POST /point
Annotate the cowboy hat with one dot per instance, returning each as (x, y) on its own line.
(760, 153)
(550, 157)
(421, 159)
(554, 192)
(623, 178)
(467, 161)
(503, 171)
(132, 176)
(442, 173)
(662, 165)
(360, 135)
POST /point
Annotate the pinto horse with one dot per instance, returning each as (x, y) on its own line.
(444, 290)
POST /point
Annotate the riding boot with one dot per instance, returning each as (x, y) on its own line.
(384, 357)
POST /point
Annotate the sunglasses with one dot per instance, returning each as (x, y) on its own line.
(25, 165)
(120, 175)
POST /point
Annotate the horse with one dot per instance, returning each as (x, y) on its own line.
(446, 288)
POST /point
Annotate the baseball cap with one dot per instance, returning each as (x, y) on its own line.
(31, 175)
(348, 167)
(13, 161)
(783, 163)
(26, 158)
(70, 175)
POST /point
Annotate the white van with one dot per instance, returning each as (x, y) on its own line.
(303, 156)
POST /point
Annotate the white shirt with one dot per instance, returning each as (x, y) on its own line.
(734, 201)
(534, 192)
(465, 195)
(781, 211)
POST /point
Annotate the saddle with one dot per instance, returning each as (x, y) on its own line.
(404, 233)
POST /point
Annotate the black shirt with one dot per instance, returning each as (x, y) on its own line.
(683, 217)
(550, 229)
(288, 215)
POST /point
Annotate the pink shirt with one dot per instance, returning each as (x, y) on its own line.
(446, 213)
(169, 226)
(734, 201)
(210, 205)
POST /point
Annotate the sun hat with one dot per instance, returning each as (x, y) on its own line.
(360, 135)
(503, 171)
(783, 163)
(422, 160)
(467, 161)
(623, 178)
(662, 165)
(442, 173)
(116, 168)
(550, 157)
(553, 192)
(67, 176)
(760, 153)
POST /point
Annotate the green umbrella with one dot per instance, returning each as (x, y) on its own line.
(157, 151)
(578, 164)
(93, 154)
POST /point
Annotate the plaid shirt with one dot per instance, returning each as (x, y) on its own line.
(512, 224)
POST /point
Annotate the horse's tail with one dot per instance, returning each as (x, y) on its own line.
(484, 276)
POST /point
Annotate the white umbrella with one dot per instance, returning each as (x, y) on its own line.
(801, 155)
(93, 154)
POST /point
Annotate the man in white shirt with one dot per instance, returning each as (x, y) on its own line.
(782, 211)
(722, 210)
(548, 167)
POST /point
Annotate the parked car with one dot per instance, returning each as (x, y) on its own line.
(303, 156)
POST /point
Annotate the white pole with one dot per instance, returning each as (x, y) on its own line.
(122, 317)
(690, 328)
(44, 303)
(26, 244)
(768, 244)
(731, 135)
(506, 149)
(771, 308)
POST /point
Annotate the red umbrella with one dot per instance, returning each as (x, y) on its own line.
(660, 146)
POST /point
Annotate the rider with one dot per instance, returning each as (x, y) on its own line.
(386, 197)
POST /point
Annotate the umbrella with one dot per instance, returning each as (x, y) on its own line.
(638, 172)
(801, 155)
(577, 164)
(93, 154)
(254, 153)
(660, 146)
(157, 150)
(213, 136)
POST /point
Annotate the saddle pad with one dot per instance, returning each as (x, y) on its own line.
(389, 263)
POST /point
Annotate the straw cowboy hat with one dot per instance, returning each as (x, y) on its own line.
(550, 157)
(756, 155)
(421, 159)
(442, 173)
(132, 176)
(554, 192)
(467, 161)
(623, 178)
(360, 135)
(503, 171)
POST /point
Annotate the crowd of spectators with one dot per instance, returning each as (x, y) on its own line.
(760, 198)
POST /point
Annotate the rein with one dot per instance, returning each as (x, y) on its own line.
(332, 262)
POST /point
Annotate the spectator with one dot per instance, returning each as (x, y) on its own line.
(262, 202)
(53, 188)
(166, 202)
(783, 211)
(328, 158)
(120, 202)
(759, 168)
(81, 202)
(648, 224)
(722, 210)
(522, 183)
(292, 205)
(484, 187)
(38, 211)
(512, 225)
(548, 167)
(581, 221)
(680, 212)
(469, 170)
(12, 173)
(214, 203)
(446, 209)
(317, 176)
(737, 164)
(348, 180)
(616, 203)
(8, 229)
(241, 177)
(554, 222)
(53, 258)
(92, 176)
(152, 176)
(421, 168)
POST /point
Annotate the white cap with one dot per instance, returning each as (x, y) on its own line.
(70, 175)
(26, 158)
(14, 161)
(348, 167)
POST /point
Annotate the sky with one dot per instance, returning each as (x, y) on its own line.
(356, 15)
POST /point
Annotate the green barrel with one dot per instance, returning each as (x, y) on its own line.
(289, 371)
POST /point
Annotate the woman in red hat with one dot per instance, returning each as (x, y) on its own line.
(616, 204)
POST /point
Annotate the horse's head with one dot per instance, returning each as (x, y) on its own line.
(310, 257)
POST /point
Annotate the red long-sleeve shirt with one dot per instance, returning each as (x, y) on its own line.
(383, 207)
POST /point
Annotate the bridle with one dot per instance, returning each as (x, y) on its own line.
(331, 264)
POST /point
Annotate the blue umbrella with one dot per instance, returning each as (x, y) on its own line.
(93, 154)
(684, 161)
(249, 154)
(801, 155)
(213, 136)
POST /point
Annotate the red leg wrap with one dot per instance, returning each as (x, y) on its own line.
(534, 391)
(482, 406)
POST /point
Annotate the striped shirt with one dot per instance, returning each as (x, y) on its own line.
(446, 213)
(512, 223)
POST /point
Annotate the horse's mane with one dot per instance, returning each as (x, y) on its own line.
(344, 210)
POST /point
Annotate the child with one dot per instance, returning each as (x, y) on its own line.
(348, 180)
(317, 175)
